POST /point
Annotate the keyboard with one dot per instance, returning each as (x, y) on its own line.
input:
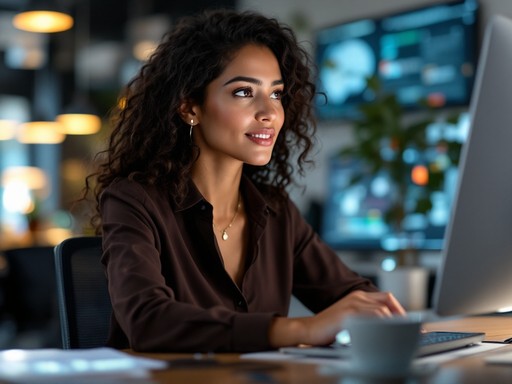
(430, 343)
(435, 342)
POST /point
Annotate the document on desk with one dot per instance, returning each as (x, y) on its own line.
(459, 353)
(343, 362)
(56, 365)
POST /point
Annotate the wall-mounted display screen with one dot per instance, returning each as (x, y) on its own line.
(422, 54)
(354, 213)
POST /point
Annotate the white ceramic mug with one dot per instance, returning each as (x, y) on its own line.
(382, 346)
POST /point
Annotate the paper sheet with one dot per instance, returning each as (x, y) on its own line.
(340, 362)
(458, 353)
(53, 365)
(342, 366)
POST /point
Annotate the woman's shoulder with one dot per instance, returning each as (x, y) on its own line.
(137, 189)
(133, 193)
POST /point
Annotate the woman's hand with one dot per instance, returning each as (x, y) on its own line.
(321, 329)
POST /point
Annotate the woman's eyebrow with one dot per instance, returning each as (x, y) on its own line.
(252, 80)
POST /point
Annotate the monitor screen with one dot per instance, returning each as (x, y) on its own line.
(423, 54)
(354, 212)
(475, 274)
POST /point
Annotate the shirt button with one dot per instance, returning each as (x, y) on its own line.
(203, 207)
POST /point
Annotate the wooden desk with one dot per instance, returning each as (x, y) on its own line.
(229, 368)
(496, 328)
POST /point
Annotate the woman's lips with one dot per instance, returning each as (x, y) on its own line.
(265, 137)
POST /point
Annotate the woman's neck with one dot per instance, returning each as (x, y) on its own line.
(219, 185)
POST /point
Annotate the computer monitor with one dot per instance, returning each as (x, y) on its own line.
(426, 53)
(475, 275)
(354, 212)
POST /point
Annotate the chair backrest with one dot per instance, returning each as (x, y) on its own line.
(30, 293)
(84, 302)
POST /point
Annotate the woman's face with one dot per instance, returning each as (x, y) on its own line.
(242, 113)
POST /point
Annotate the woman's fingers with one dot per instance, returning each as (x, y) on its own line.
(324, 326)
(382, 303)
(390, 301)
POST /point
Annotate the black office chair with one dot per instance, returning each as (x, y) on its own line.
(84, 302)
(31, 297)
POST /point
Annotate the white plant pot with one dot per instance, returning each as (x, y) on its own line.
(409, 284)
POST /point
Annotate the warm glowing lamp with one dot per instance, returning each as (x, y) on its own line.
(79, 123)
(33, 178)
(18, 182)
(419, 175)
(55, 235)
(144, 34)
(80, 118)
(7, 129)
(41, 132)
(42, 18)
(142, 50)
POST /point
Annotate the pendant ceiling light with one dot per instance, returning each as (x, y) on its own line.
(79, 118)
(22, 185)
(7, 129)
(33, 178)
(43, 17)
(79, 123)
(40, 132)
(42, 128)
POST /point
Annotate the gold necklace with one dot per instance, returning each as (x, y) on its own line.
(223, 232)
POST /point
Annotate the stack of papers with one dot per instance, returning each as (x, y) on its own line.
(53, 365)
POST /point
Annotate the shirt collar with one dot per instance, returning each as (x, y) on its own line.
(252, 196)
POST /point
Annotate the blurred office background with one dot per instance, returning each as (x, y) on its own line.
(48, 76)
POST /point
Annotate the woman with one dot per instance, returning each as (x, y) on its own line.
(202, 246)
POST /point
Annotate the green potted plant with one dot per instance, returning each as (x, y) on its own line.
(384, 137)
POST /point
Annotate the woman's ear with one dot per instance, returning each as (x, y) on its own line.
(188, 112)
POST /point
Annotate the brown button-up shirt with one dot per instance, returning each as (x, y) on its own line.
(168, 286)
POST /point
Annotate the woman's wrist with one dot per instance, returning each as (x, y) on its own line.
(286, 331)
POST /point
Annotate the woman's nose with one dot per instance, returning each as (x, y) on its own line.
(267, 109)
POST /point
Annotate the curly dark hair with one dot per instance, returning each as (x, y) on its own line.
(150, 142)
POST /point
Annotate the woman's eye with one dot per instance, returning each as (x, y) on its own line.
(244, 92)
(277, 95)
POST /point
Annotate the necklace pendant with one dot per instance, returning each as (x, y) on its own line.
(225, 235)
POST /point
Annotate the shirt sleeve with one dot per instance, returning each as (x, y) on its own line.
(144, 304)
(320, 276)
